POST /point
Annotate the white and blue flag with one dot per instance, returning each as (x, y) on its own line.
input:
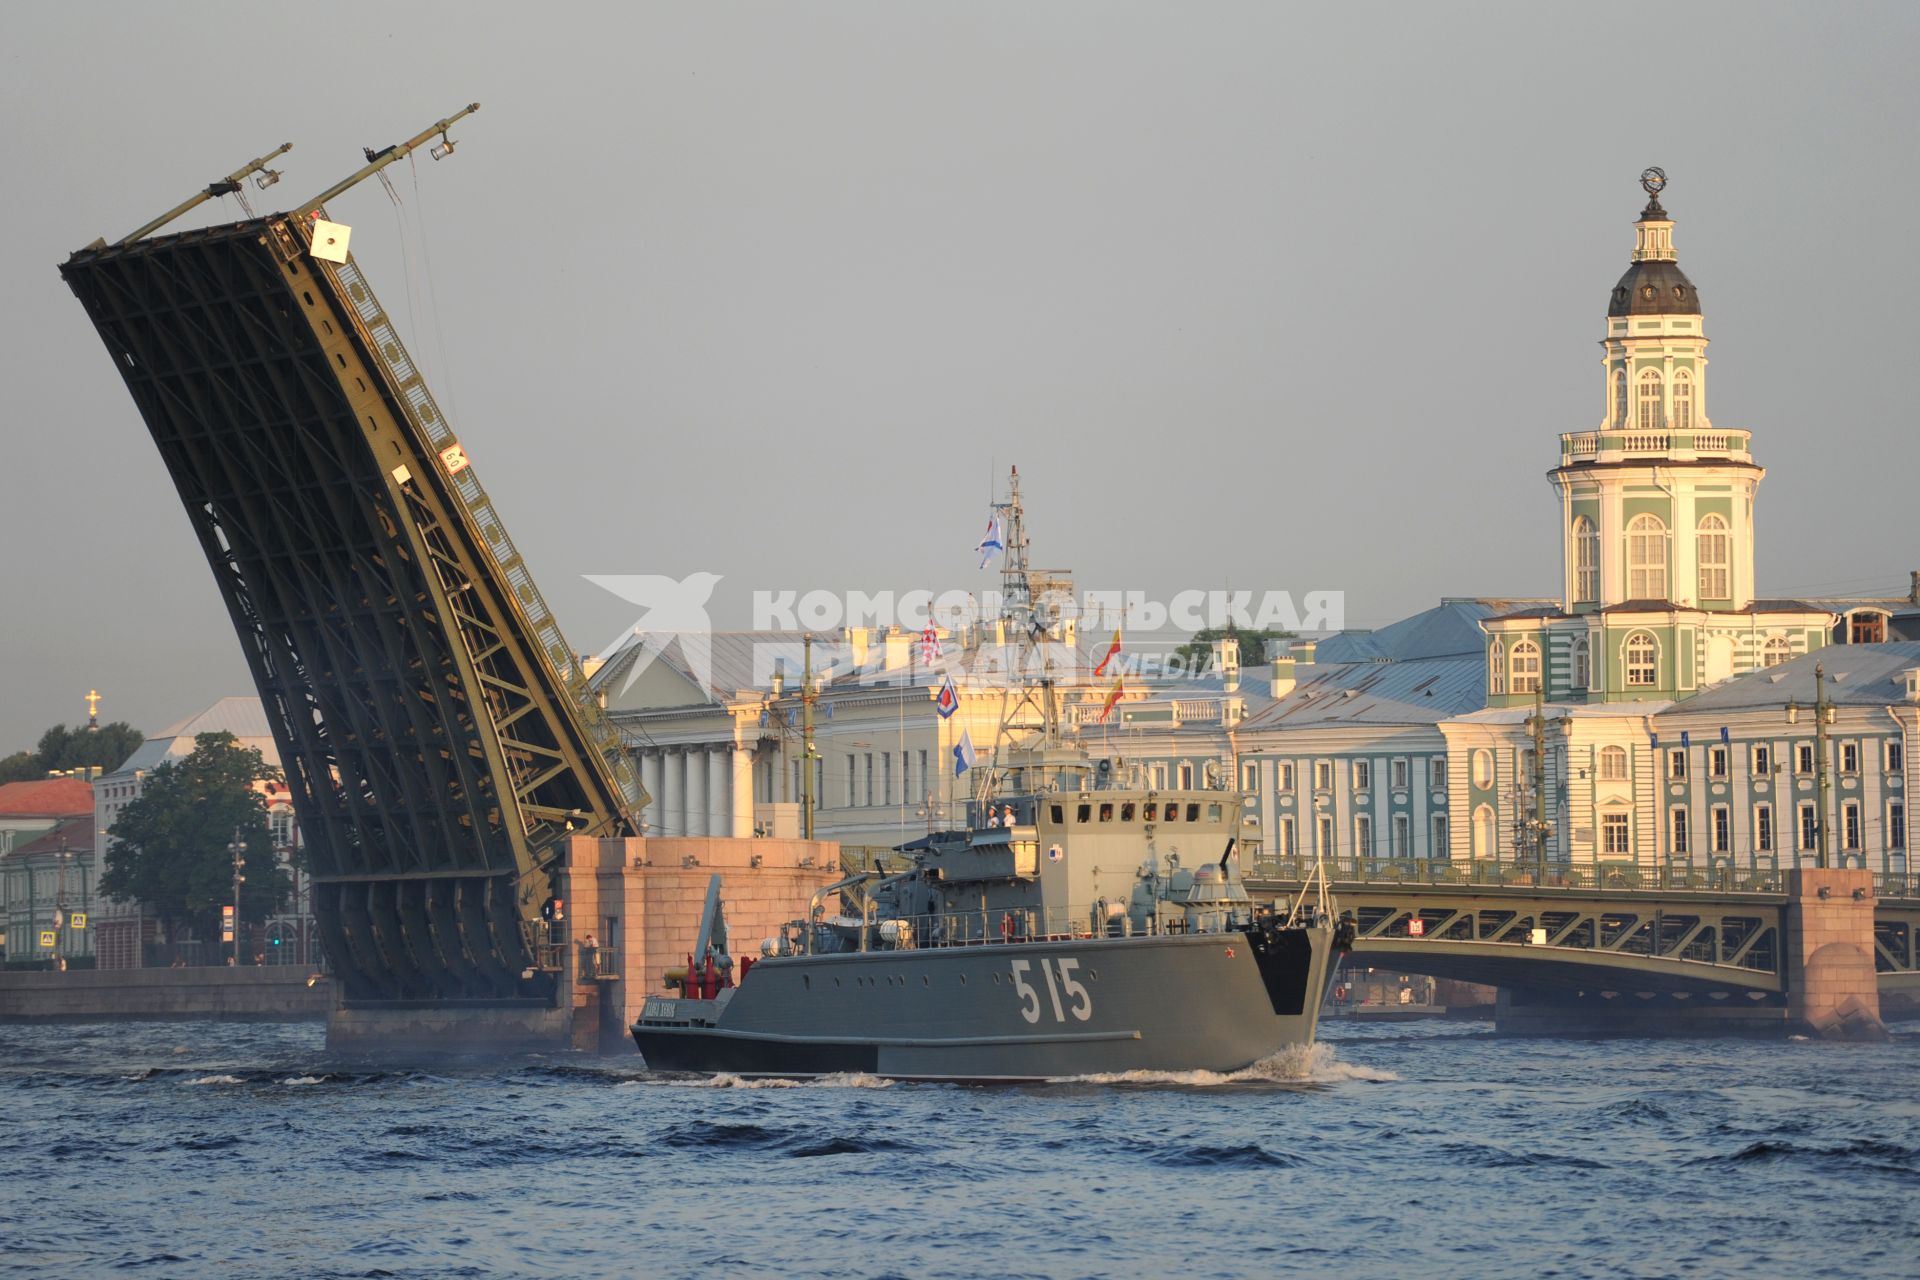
(990, 543)
(963, 755)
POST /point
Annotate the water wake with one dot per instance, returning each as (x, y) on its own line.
(1297, 1064)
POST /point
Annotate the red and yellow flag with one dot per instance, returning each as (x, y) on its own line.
(1112, 651)
(1113, 696)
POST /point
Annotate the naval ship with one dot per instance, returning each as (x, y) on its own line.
(1072, 927)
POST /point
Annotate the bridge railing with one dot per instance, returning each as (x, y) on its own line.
(1522, 874)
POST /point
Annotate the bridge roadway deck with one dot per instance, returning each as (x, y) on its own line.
(1734, 943)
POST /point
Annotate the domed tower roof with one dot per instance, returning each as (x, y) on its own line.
(1654, 285)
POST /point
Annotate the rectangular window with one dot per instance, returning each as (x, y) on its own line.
(1283, 775)
(1803, 757)
(1185, 776)
(1323, 775)
(1762, 759)
(1325, 825)
(1717, 762)
(1897, 825)
(1363, 835)
(1809, 827)
(1398, 774)
(1763, 828)
(1896, 758)
(1442, 845)
(852, 783)
(1722, 829)
(1677, 826)
(1849, 757)
(886, 778)
(1613, 831)
(1677, 763)
(1283, 837)
(1440, 772)
(1850, 824)
(1362, 775)
(869, 776)
(1402, 835)
(1159, 775)
(1250, 776)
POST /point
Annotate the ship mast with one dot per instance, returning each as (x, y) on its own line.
(1029, 703)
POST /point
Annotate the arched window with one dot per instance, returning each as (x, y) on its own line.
(1775, 652)
(1682, 400)
(1586, 559)
(1613, 764)
(1620, 398)
(1714, 553)
(1483, 831)
(1524, 663)
(1582, 665)
(1649, 401)
(1496, 669)
(1643, 661)
(1646, 558)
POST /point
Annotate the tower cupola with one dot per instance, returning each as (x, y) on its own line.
(1654, 285)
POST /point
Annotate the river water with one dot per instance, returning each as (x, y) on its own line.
(1437, 1150)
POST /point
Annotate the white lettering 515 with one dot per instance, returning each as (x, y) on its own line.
(1058, 975)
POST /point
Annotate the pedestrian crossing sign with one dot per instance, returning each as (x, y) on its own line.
(78, 920)
(48, 937)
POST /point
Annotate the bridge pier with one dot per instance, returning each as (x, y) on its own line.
(640, 899)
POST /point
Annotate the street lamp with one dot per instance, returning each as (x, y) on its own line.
(1822, 717)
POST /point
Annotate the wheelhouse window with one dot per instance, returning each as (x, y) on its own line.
(1714, 553)
(1647, 558)
(1643, 665)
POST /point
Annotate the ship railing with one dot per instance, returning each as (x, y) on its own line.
(1521, 872)
(994, 927)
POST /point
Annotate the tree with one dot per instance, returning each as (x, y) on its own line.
(106, 747)
(170, 849)
(1255, 646)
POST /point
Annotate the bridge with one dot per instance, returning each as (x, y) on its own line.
(433, 723)
(1635, 950)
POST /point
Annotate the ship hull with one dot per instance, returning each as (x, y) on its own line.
(1021, 1011)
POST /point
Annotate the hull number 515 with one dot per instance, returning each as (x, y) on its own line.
(1059, 978)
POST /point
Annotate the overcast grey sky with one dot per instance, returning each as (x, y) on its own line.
(1287, 298)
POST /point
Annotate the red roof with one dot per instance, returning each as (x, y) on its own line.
(75, 835)
(47, 798)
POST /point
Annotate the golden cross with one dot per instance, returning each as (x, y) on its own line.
(93, 703)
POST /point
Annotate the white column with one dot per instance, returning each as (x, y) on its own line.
(719, 807)
(673, 797)
(742, 791)
(696, 809)
(651, 778)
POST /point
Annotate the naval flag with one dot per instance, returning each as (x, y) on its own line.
(991, 543)
(1113, 696)
(1113, 651)
(963, 755)
(948, 700)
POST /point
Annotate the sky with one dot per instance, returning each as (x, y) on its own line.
(1256, 296)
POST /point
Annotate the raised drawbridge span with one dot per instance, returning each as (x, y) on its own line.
(434, 725)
